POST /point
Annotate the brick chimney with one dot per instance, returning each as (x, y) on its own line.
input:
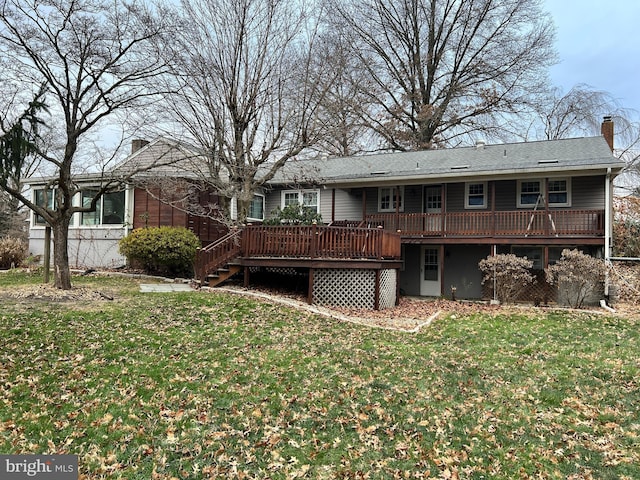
(607, 130)
(137, 144)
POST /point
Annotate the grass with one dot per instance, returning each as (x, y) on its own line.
(212, 386)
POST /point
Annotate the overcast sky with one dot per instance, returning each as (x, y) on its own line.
(598, 44)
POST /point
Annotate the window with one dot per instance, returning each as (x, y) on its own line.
(387, 199)
(307, 198)
(109, 209)
(533, 254)
(256, 208)
(476, 195)
(43, 198)
(559, 193)
(530, 190)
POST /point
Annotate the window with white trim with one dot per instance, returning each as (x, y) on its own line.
(256, 208)
(559, 192)
(475, 195)
(110, 208)
(307, 198)
(530, 190)
(387, 199)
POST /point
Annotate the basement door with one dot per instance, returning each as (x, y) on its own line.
(430, 283)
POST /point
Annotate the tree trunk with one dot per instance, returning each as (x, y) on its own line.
(62, 275)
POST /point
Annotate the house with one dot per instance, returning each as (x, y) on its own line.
(454, 207)
(94, 237)
(416, 223)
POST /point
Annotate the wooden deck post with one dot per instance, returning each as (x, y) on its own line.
(376, 300)
(310, 289)
(246, 277)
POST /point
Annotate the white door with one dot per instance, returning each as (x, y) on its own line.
(430, 272)
(433, 204)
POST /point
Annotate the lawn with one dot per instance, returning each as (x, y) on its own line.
(204, 385)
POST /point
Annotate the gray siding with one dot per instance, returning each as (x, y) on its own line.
(348, 203)
(587, 192)
(461, 270)
(410, 276)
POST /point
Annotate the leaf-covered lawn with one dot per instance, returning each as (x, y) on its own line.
(204, 385)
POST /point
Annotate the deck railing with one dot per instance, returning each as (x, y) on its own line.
(217, 254)
(319, 242)
(498, 223)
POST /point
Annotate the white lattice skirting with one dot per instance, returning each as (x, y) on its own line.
(353, 288)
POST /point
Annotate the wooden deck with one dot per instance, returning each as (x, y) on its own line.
(304, 246)
(493, 224)
(377, 240)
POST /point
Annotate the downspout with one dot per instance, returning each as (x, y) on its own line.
(607, 230)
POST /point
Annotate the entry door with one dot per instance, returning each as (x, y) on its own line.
(430, 272)
(433, 204)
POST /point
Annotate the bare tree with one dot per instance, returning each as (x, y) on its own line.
(579, 112)
(94, 59)
(246, 95)
(344, 104)
(443, 70)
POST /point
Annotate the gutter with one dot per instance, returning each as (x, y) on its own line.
(607, 230)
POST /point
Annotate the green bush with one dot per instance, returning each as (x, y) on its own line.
(13, 251)
(294, 214)
(163, 250)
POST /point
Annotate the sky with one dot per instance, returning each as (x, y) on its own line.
(598, 44)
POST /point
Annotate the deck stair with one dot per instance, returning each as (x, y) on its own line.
(214, 263)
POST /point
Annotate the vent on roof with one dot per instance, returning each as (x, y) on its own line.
(548, 161)
(380, 172)
(459, 167)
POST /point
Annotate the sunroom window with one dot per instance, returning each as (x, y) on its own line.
(43, 198)
(109, 208)
(256, 208)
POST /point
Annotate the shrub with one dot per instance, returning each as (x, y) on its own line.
(13, 251)
(165, 250)
(507, 274)
(578, 276)
(294, 214)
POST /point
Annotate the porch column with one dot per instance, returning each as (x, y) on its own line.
(493, 208)
(364, 204)
(547, 217)
(333, 205)
(397, 195)
(441, 269)
(443, 210)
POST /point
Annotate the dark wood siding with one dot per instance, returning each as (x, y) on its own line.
(149, 210)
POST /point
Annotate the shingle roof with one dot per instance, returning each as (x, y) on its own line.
(511, 159)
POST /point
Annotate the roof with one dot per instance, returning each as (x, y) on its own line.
(585, 156)
(163, 157)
